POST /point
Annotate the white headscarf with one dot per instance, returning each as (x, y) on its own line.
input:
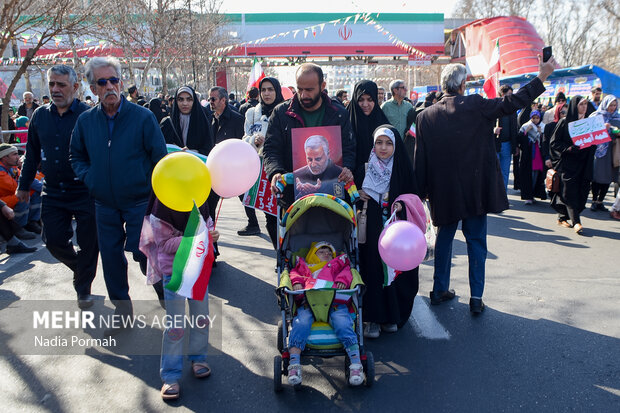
(377, 179)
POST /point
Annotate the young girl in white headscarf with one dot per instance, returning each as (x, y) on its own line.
(389, 174)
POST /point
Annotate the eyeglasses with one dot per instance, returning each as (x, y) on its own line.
(102, 82)
(212, 99)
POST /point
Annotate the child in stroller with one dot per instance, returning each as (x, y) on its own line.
(323, 269)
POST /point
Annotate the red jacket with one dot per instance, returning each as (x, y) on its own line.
(8, 186)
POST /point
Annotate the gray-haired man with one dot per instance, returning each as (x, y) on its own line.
(456, 167)
(397, 108)
(64, 196)
(114, 148)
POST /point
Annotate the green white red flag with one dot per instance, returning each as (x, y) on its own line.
(191, 268)
(256, 75)
(491, 82)
(412, 130)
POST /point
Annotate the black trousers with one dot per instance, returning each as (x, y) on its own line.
(7, 227)
(599, 191)
(57, 213)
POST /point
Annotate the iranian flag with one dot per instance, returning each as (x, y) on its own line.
(412, 130)
(191, 268)
(256, 75)
(491, 82)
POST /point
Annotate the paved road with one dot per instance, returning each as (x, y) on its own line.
(549, 340)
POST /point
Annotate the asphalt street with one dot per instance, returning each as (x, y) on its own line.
(548, 341)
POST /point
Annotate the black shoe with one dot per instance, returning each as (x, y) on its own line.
(23, 234)
(601, 207)
(33, 227)
(85, 301)
(19, 249)
(440, 297)
(476, 306)
(594, 207)
(249, 231)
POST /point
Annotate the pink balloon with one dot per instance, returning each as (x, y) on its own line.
(402, 245)
(234, 167)
(286, 93)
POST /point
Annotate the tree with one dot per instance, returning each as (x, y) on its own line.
(42, 20)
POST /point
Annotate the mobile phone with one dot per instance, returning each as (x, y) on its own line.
(546, 53)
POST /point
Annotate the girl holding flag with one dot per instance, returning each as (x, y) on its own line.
(179, 247)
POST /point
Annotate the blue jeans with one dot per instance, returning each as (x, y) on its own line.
(171, 365)
(118, 230)
(475, 231)
(339, 319)
(505, 156)
(28, 211)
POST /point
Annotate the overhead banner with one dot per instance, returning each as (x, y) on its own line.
(334, 34)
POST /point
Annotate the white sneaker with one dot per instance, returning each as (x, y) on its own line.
(372, 330)
(356, 374)
(294, 374)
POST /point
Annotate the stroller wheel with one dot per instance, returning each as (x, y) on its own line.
(277, 373)
(369, 368)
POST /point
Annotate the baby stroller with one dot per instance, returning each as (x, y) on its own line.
(311, 218)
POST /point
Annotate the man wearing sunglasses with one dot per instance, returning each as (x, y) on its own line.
(64, 197)
(114, 148)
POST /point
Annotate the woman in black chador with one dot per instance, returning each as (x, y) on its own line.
(574, 166)
(365, 115)
(188, 126)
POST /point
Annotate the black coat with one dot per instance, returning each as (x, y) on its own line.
(278, 147)
(21, 110)
(510, 129)
(456, 163)
(529, 189)
(247, 105)
(229, 125)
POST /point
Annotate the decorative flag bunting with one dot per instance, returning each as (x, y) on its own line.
(491, 82)
(191, 269)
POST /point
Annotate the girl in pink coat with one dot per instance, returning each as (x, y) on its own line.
(322, 268)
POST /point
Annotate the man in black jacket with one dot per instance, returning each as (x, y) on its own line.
(228, 124)
(252, 100)
(308, 108)
(28, 107)
(64, 196)
(506, 138)
(456, 167)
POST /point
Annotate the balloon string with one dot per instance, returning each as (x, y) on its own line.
(219, 208)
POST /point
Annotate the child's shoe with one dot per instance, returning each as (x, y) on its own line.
(356, 374)
(294, 374)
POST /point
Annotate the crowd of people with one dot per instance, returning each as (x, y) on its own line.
(390, 149)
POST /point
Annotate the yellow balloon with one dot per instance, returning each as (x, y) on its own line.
(179, 179)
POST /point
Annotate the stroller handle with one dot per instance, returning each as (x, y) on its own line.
(299, 292)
